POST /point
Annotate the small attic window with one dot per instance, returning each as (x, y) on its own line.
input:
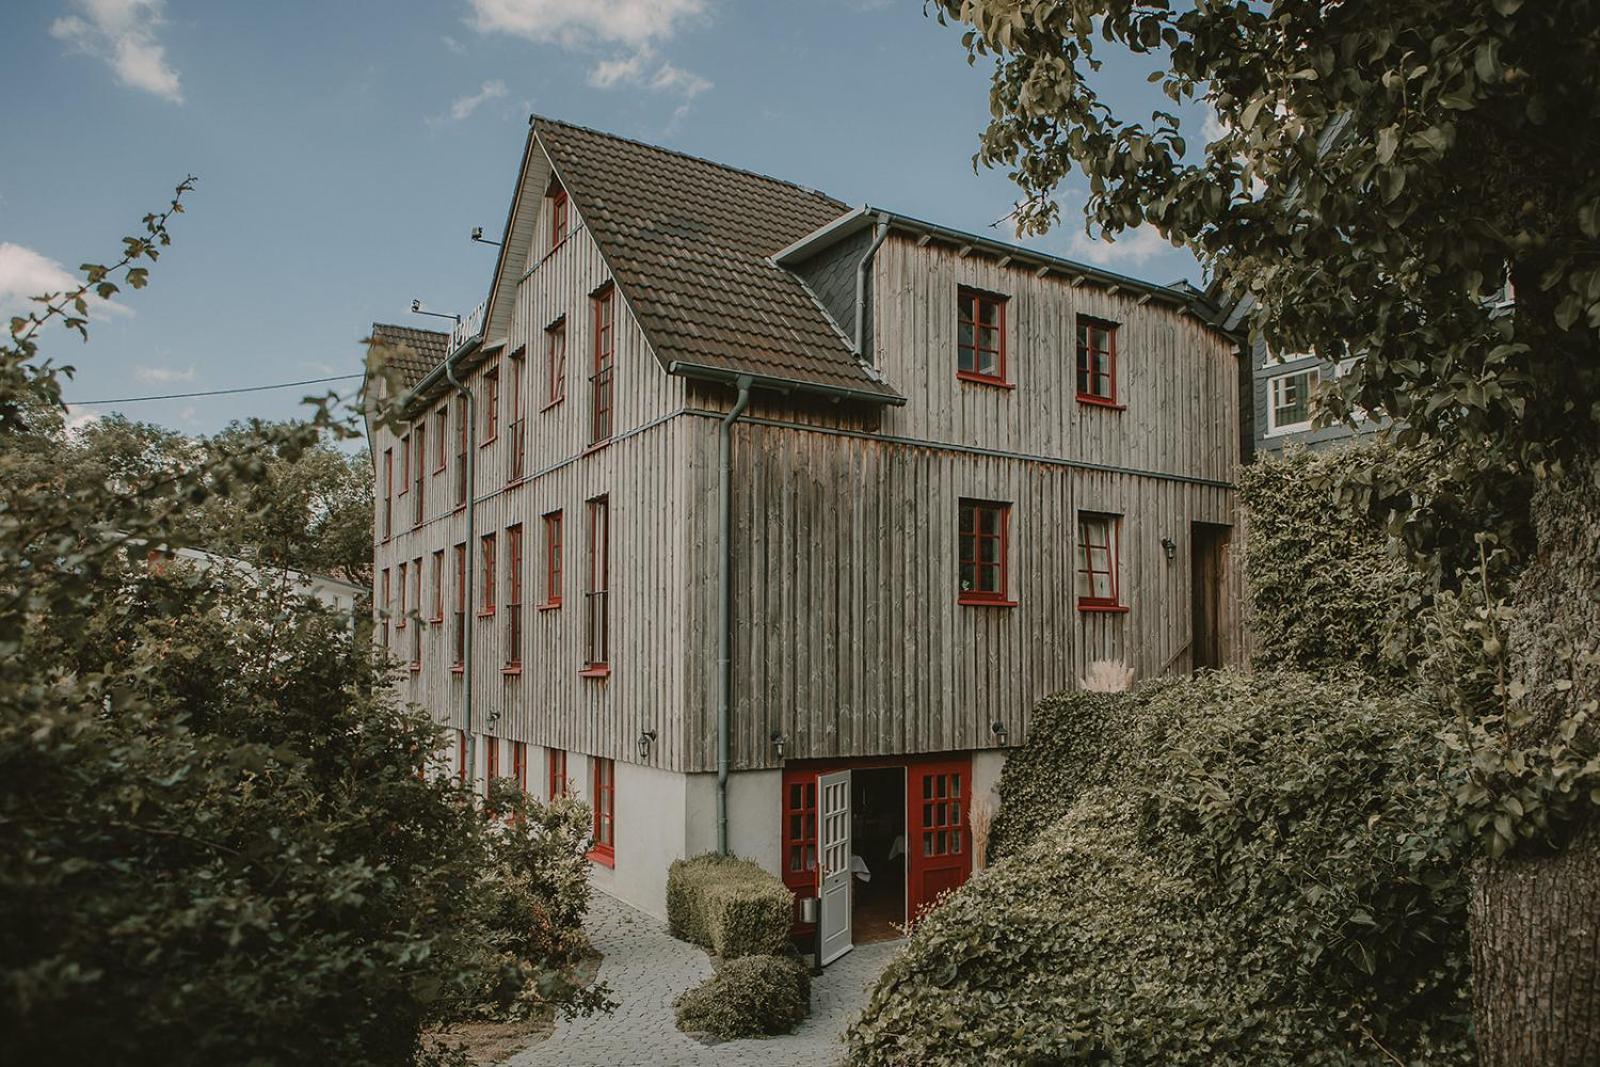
(556, 211)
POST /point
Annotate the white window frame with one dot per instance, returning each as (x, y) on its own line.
(1273, 427)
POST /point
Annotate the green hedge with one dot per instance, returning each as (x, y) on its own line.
(753, 996)
(1223, 869)
(728, 905)
(1327, 589)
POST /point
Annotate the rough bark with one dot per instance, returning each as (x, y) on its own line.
(1536, 915)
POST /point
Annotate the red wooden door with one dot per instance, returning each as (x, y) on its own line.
(937, 837)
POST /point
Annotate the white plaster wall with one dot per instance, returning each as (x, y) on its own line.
(986, 767)
(755, 814)
(650, 806)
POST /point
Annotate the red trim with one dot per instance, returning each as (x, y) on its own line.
(486, 562)
(972, 601)
(441, 427)
(973, 571)
(519, 764)
(515, 637)
(603, 788)
(597, 612)
(560, 216)
(596, 670)
(979, 379)
(1091, 606)
(1087, 568)
(1086, 372)
(938, 844)
(491, 406)
(555, 768)
(555, 356)
(602, 386)
(438, 585)
(970, 307)
(553, 548)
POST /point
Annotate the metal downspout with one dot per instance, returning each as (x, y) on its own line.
(861, 283)
(466, 594)
(725, 603)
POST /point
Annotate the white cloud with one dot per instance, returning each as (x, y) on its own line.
(466, 105)
(643, 70)
(573, 23)
(122, 33)
(77, 419)
(454, 45)
(25, 274)
(670, 79)
(609, 73)
(1130, 249)
(164, 375)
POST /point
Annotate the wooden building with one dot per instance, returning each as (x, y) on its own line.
(864, 489)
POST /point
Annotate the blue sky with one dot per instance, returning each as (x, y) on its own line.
(346, 148)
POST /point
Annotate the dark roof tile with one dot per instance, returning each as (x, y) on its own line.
(414, 352)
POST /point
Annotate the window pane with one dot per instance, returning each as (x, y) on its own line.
(968, 518)
(989, 578)
(989, 549)
(990, 520)
(967, 575)
(989, 310)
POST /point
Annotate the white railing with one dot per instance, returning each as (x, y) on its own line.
(470, 326)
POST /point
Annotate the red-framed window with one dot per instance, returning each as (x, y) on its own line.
(400, 617)
(388, 493)
(491, 758)
(552, 560)
(486, 574)
(519, 422)
(405, 463)
(560, 215)
(458, 632)
(441, 438)
(491, 405)
(419, 439)
(983, 532)
(800, 831)
(555, 773)
(600, 381)
(940, 828)
(461, 451)
(383, 620)
(461, 755)
(605, 811)
(514, 597)
(1097, 361)
(981, 336)
(416, 601)
(555, 361)
(437, 614)
(519, 765)
(597, 611)
(1098, 549)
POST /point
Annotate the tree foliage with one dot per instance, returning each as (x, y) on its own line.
(222, 839)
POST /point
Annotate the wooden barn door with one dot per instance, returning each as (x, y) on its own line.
(937, 838)
(833, 825)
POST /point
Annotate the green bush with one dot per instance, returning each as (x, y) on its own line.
(1326, 591)
(752, 996)
(728, 905)
(1242, 869)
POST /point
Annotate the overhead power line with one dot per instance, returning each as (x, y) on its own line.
(212, 392)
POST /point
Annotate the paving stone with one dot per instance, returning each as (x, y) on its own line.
(647, 968)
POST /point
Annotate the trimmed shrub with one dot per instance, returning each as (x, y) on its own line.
(728, 905)
(1244, 869)
(752, 996)
(1326, 591)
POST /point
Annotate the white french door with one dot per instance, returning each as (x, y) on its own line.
(833, 822)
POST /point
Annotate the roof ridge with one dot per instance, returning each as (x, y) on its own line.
(411, 329)
(746, 171)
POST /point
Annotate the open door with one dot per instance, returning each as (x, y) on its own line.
(1207, 543)
(833, 796)
(936, 837)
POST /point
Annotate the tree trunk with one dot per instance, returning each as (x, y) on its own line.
(1536, 915)
(1536, 957)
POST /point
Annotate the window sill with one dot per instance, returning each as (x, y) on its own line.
(596, 670)
(1100, 402)
(985, 602)
(597, 446)
(511, 668)
(512, 483)
(1284, 431)
(437, 619)
(486, 614)
(416, 666)
(606, 857)
(553, 605)
(458, 668)
(1102, 609)
(984, 379)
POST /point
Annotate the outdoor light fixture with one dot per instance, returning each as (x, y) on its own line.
(778, 741)
(416, 309)
(998, 728)
(1169, 546)
(477, 235)
(646, 739)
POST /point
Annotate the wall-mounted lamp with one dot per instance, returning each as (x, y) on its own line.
(998, 728)
(778, 741)
(1170, 547)
(477, 235)
(646, 739)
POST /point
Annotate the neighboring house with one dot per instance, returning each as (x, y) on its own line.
(336, 593)
(958, 473)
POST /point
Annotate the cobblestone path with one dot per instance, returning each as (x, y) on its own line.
(647, 968)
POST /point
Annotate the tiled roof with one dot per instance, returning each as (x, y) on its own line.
(414, 352)
(688, 242)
